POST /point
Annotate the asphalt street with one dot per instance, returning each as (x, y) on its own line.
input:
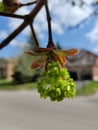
(24, 110)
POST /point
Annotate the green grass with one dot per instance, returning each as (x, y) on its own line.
(8, 85)
(88, 89)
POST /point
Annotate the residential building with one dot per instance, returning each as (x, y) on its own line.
(83, 66)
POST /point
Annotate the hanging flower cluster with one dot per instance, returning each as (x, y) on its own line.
(55, 81)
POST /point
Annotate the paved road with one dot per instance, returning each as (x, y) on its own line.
(26, 111)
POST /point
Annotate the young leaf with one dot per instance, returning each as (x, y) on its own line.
(60, 59)
(3, 8)
(39, 62)
(33, 53)
(66, 52)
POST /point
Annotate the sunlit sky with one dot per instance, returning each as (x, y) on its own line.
(64, 20)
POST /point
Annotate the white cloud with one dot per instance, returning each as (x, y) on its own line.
(93, 34)
(70, 16)
(93, 37)
(21, 44)
(3, 34)
(23, 10)
(89, 1)
(14, 23)
(57, 28)
(13, 43)
(95, 50)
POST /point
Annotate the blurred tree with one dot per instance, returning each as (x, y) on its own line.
(22, 71)
(32, 43)
(58, 46)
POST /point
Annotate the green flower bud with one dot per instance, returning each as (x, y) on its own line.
(56, 83)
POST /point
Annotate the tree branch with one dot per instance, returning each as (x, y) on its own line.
(49, 22)
(28, 19)
(30, 3)
(50, 38)
(11, 15)
(34, 35)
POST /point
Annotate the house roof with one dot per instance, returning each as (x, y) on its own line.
(84, 57)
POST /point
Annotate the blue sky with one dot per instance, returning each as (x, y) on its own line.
(64, 16)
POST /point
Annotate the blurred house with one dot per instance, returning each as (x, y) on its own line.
(6, 69)
(83, 66)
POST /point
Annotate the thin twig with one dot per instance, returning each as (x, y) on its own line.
(30, 3)
(83, 21)
(34, 35)
(50, 38)
(49, 21)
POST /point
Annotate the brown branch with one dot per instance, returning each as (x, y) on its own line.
(28, 19)
(49, 22)
(50, 38)
(30, 3)
(37, 8)
(11, 15)
(34, 35)
(13, 35)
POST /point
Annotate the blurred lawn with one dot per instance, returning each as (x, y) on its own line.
(88, 89)
(8, 85)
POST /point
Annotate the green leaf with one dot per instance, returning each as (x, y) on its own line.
(97, 2)
(66, 52)
(33, 53)
(3, 8)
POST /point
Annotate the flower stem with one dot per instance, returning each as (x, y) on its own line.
(50, 39)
